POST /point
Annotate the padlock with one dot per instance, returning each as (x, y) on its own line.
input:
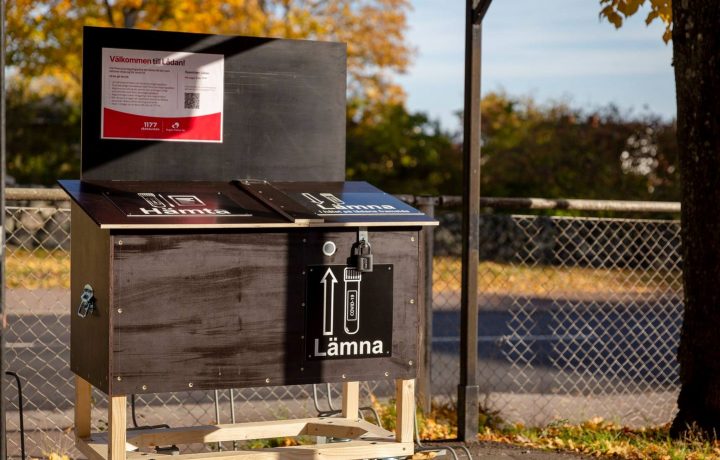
(364, 257)
(87, 302)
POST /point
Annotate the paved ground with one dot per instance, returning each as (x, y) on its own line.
(496, 451)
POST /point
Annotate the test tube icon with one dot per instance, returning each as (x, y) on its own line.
(152, 200)
(351, 319)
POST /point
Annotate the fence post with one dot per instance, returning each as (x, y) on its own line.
(426, 204)
(3, 364)
(468, 386)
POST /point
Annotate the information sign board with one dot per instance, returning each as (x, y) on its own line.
(163, 96)
(349, 313)
(176, 204)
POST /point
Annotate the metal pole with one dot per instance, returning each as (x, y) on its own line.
(426, 204)
(3, 364)
(468, 388)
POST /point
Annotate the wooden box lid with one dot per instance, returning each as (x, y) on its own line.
(239, 204)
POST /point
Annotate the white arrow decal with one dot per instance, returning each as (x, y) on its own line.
(328, 310)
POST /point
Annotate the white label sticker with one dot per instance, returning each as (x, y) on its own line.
(162, 95)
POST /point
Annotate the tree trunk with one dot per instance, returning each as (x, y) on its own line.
(696, 50)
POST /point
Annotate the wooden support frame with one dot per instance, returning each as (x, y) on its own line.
(366, 440)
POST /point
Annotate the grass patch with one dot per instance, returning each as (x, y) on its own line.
(599, 437)
(42, 269)
(39, 269)
(440, 423)
(596, 437)
(520, 280)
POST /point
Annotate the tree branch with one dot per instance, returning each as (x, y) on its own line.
(108, 11)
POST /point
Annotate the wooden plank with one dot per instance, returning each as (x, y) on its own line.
(116, 204)
(117, 428)
(405, 423)
(337, 451)
(92, 449)
(344, 428)
(83, 407)
(219, 433)
(336, 427)
(345, 450)
(284, 111)
(278, 201)
(350, 399)
(262, 225)
(90, 264)
(226, 310)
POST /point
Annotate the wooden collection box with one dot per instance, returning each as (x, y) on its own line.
(187, 274)
(232, 293)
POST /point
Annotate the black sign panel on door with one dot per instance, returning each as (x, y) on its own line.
(349, 313)
(176, 204)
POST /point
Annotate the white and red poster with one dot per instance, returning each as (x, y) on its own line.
(162, 95)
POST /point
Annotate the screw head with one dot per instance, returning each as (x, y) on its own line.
(410, 363)
(343, 376)
(119, 310)
(119, 379)
(144, 387)
(412, 238)
(267, 380)
(120, 242)
(190, 385)
(387, 374)
(412, 301)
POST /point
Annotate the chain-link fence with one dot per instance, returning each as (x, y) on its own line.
(579, 317)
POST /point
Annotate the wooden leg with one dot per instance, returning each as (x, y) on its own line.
(351, 400)
(405, 424)
(83, 393)
(117, 416)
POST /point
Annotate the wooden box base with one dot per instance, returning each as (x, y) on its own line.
(366, 440)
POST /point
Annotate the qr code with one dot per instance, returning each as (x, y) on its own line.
(192, 100)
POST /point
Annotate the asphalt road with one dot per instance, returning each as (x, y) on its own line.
(565, 345)
(553, 341)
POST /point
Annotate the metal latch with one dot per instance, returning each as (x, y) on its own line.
(87, 302)
(362, 252)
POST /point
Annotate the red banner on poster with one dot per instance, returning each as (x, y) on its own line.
(130, 126)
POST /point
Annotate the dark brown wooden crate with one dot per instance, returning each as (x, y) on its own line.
(222, 310)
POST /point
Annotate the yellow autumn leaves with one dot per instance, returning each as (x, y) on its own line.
(44, 37)
(615, 10)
